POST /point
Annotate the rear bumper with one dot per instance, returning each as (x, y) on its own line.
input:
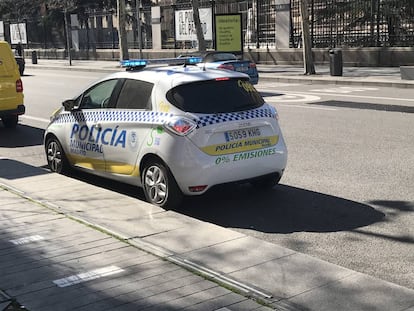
(21, 109)
(196, 168)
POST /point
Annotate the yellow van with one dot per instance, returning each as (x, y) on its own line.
(11, 87)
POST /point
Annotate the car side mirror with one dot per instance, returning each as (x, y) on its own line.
(69, 104)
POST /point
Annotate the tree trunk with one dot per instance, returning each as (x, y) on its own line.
(197, 24)
(308, 64)
(123, 43)
(68, 37)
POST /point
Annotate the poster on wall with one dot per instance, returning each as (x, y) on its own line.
(1, 31)
(228, 33)
(18, 33)
(185, 28)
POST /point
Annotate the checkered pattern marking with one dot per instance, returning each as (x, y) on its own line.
(150, 117)
(234, 116)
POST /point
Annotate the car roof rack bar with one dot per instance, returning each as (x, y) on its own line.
(136, 64)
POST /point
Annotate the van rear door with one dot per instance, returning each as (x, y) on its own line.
(10, 81)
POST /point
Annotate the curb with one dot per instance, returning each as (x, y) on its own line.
(336, 81)
(74, 68)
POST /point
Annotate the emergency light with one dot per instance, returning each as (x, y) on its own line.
(132, 64)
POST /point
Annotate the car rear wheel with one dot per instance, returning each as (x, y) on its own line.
(160, 187)
(56, 158)
(10, 121)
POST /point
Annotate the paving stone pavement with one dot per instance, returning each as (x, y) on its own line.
(52, 262)
(63, 250)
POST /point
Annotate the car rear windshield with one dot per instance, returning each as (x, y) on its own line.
(216, 96)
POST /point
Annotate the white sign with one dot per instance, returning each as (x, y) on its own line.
(1, 31)
(185, 28)
(18, 33)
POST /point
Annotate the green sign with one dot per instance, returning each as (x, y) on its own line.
(228, 33)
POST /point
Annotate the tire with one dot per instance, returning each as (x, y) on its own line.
(266, 182)
(56, 159)
(159, 185)
(10, 121)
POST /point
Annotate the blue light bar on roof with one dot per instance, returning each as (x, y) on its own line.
(133, 63)
(193, 60)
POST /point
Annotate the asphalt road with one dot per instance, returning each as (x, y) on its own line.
(347, 194)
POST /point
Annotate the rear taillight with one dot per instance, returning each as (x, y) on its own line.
(19, 86)
(181, 126)
(197, 188)
(226, 66)
(274, 113)
(252, 65)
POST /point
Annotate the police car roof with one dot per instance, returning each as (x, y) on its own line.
(176, 75)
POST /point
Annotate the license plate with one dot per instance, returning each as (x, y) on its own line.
(242, 134)
(242, 69)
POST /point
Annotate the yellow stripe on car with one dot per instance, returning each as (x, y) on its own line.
(122, 168)
(101, 165)
(241, 145)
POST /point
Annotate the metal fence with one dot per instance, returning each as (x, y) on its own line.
(333, 23)
(356, 23)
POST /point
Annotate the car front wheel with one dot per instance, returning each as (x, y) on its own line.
(160, 187)
(56, 158)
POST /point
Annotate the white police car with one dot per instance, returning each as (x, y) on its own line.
(172, 130)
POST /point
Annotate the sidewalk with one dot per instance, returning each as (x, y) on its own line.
(51, 261)
(71, 245)
(379, 76)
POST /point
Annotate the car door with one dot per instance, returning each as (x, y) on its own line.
(131, 124)
(89, 134)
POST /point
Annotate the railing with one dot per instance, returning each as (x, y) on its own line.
(357, 23)
(333, 23)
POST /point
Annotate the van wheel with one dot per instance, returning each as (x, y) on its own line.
(56, 159)
(160, 187)
(10, 121)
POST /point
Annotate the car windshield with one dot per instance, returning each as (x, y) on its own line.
(217, 57)
(216, 96)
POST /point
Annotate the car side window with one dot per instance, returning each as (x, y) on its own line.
(98, 96)
(135, 94)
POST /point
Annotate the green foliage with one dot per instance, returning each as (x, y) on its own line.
(17, 10)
